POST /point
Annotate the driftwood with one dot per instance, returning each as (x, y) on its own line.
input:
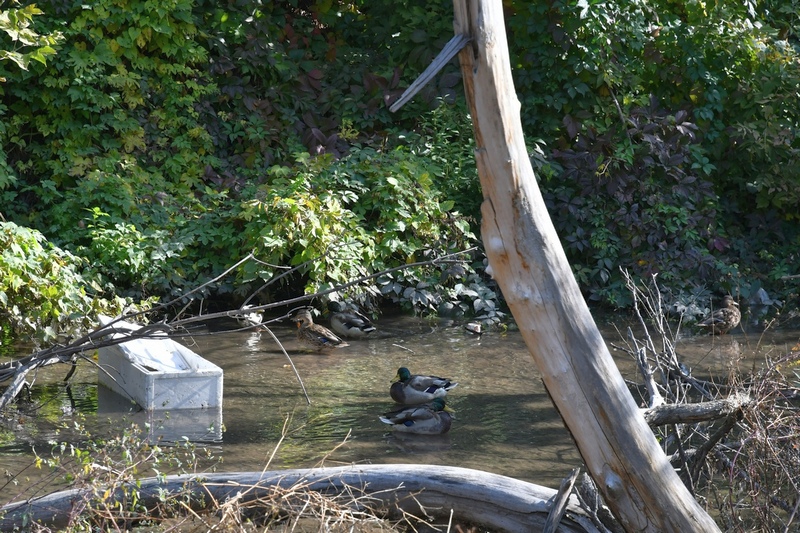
(695, 412)
(496, 502)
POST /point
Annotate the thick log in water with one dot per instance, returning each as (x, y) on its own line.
(492, 501)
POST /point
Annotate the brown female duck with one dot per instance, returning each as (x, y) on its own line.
(723, 319)
(314, 336)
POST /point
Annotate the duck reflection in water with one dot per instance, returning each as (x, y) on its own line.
(411, 443)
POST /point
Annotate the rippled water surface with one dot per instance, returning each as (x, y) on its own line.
(504, 423)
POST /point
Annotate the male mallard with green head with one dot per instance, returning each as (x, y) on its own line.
(349, 323)
(411, 389)
(313, 335)
(723, 319)
(431, 419)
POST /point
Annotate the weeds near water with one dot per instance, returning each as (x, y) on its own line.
(736, 443)
(109, 493)
(757, 469)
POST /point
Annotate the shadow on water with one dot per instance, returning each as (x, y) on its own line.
(504, 421)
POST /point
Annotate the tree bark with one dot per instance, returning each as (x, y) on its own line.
(529, 264)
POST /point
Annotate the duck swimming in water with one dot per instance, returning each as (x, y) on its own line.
(432, 419)
(315, 336)
(349, 323)
(410, 389)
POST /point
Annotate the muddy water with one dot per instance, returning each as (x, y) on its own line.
(504, 423)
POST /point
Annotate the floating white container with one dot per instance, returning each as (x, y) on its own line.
(158, 373)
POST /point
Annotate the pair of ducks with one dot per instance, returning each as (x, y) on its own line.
(425, 411)
(346, 322)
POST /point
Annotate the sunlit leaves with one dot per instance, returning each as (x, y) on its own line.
(42, 289)
(15, 23)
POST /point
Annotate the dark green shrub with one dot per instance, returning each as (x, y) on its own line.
(646, 210)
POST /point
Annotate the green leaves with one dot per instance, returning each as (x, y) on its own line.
(42, 290)
(16, 24)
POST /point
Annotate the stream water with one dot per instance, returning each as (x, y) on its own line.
(504, 422)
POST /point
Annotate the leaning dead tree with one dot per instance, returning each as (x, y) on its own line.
(620, 451)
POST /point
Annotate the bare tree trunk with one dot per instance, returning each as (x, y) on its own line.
(529, 264)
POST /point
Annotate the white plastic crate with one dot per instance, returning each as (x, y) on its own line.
(158, 373)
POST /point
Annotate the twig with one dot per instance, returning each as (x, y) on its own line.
(294, 368)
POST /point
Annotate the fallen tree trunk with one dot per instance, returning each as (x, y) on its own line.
(496, 502)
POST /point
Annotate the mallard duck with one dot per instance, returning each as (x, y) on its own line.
(315, 336)
(431, 419)
(409, 389)
(723, 319)
(349, 323)
(248, 319)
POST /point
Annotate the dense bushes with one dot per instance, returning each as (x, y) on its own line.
(673, 129)
(43, 292)
(165, 140)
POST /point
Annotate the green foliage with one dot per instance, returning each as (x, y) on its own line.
(183, 122)
(20, 44)
(343, 219)
(120, 99)
(584, 70)
(42, 290)
(120, 253)
(644, 209)
(15, 24)
(443, 138)
(178, 135)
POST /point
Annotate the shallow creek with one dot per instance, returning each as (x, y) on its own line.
(504, 423)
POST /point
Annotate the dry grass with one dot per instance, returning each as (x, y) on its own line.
(745, 466)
